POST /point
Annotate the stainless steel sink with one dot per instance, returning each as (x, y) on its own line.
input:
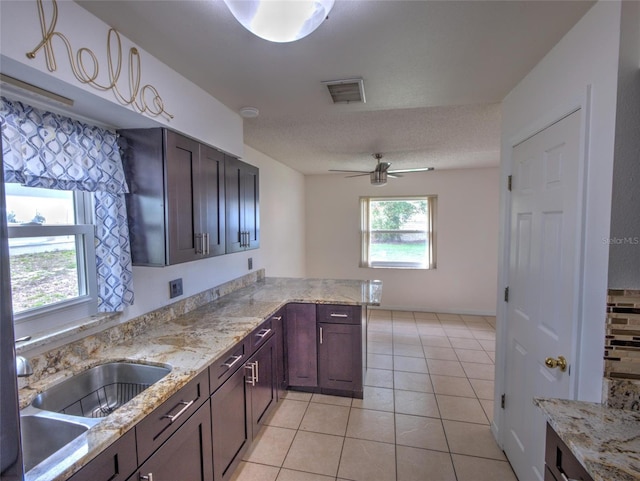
(43, 436)
(98, 391)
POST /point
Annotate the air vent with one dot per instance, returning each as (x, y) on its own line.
(346, 91)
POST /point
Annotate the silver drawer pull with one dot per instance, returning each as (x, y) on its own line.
(257, 375)
(564, 477)
(228, 364)
(263, 332)
(279, 318)
(148, 477)
(179, 413)
(333, 314)
(321, 336)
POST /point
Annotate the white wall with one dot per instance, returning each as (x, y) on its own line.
(624, 251)
(586, 57)
(196, 113)
(467, 230)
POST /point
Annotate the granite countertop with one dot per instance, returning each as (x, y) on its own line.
(606, 441)
(189, 343)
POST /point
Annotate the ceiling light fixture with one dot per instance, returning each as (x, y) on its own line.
(280, 20)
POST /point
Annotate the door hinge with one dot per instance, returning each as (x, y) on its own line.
(502, 401)
(506, 294)
(509, 182)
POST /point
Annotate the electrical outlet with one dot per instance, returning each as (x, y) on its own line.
(250, 263)
(175, 288)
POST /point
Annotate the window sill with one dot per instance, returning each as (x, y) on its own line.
(57, 336)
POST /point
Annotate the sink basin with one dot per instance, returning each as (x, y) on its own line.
(43, 436)
(100, 390)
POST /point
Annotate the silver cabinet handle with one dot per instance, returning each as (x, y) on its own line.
(257, 374)
(333, 314)
(278, 318)
(248, 239)
(186, 406)
(230, 364)
(321, 339)
(263, 332)
(205, 243)
(252, 367)
(198, 243)
(564, 477)
(148, 477)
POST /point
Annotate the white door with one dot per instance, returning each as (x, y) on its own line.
(543, 285)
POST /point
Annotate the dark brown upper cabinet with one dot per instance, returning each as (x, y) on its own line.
(176, 204)
(242, 199)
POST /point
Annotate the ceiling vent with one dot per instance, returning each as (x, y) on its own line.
(346, 91)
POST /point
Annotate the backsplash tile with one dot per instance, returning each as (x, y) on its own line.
(621, 388)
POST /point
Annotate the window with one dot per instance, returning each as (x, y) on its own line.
(51, 254)
(398, 232)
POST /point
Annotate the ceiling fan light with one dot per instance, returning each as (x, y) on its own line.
(378, 178)
(280, 20)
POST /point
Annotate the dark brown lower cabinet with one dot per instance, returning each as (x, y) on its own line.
(339, 357)
(560, 463)
(185, 456)
(116, 463)
(302, 354)
(231, 426)
(282, 382)
(262, 383)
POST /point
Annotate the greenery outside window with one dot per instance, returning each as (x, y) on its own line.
(51, 254)
(398, 232)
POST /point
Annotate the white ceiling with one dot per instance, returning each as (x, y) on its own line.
(434, 74)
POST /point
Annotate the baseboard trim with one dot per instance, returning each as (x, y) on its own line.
(467, 312)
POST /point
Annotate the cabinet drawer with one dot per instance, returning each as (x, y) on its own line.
(338, 314)
(186, 456)
(156, 428)
(115, 463)
(561, 461)
(260, 334)
(224, 367)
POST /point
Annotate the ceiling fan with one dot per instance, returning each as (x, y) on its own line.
(381, 172)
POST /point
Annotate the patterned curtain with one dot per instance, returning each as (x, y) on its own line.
(43, 149)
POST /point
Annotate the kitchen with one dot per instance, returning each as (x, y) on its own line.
(286, 252)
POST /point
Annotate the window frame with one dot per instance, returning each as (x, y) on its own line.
(366, 231)
(55, 315)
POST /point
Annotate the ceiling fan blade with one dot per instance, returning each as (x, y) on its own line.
(404, 171)
(357, 175)
(351, 171)
(394, 176)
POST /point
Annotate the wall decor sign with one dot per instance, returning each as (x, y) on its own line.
(86, 67)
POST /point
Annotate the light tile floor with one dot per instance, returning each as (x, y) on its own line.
(428, 401)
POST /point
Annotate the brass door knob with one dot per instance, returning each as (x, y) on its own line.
(552, 363)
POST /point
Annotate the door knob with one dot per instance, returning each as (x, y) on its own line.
(552, 363)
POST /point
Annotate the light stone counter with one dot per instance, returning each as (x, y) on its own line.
(188, 342)
(604, 440)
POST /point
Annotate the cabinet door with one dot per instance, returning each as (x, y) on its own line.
(187, 454)
(182, 165)
(251, 205)
(116, 463)
(242, 205)
(262, 381)
(302, 359)
(212, 200)
(339, 356)
(230, 425)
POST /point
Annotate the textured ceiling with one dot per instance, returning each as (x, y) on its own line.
(434, 74)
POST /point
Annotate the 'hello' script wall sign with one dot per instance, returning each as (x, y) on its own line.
(86, 67)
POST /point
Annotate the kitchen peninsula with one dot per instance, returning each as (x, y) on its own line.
(192, 336)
